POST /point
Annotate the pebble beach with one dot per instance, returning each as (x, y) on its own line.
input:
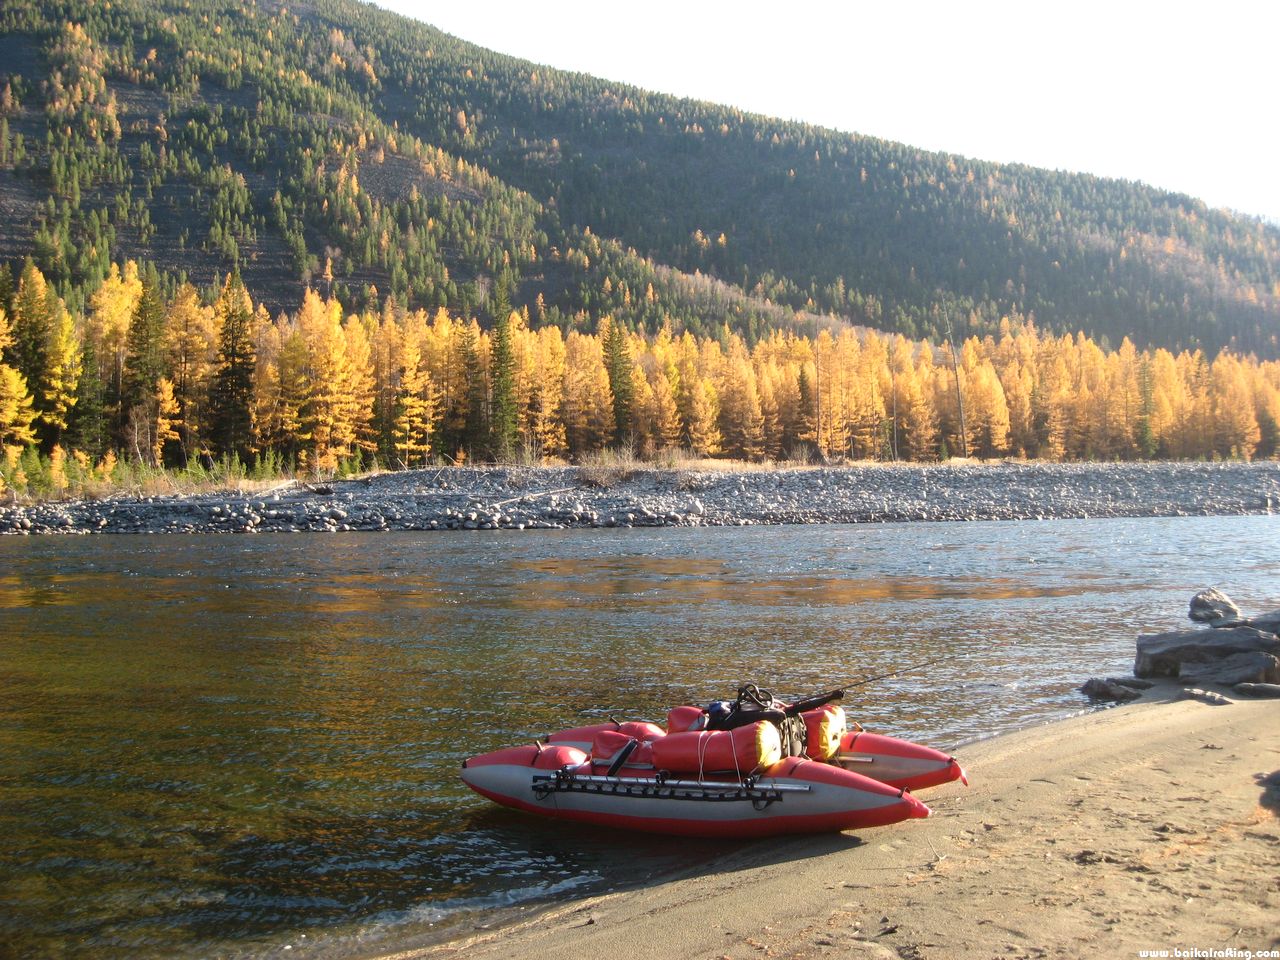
(540, 498)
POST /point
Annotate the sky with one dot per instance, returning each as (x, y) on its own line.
(1181, 97)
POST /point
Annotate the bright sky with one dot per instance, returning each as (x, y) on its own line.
(1182, 97)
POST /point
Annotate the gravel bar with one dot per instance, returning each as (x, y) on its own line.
(540, 498)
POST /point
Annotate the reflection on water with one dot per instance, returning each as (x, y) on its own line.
(222, 744)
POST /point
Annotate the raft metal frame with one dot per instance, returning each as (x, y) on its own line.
(565, 781)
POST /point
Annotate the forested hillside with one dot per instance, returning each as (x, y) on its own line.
(335, 146)
(214, 137)
(880, 232)
(322, 235)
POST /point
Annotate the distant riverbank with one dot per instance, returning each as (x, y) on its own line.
(532, 498)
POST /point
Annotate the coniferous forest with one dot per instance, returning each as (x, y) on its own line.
(323, 234)
(172, 380)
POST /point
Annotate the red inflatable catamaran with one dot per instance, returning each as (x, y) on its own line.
(752, 768)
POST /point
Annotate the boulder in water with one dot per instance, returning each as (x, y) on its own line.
(1162, 654)
(1251, 667)
(1095, 688)
(1213, 606)
(1132, 682)
(1269, 622)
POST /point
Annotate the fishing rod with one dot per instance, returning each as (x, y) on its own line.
(893, 673)
(751, 693)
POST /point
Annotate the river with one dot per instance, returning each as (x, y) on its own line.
(234, 745)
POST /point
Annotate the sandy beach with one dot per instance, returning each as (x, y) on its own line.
(1146, 827)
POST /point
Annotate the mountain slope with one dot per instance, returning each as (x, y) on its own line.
(880, 231)
(338, 145)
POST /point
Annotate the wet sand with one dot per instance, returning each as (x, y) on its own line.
(1151, 826)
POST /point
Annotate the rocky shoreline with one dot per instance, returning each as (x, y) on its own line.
(534, 498)
(1228, 650)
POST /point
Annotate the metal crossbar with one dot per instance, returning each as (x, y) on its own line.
(562, 782)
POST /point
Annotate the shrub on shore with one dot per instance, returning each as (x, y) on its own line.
(28, 474)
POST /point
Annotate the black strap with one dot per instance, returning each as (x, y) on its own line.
(743, 716)
(621, 758)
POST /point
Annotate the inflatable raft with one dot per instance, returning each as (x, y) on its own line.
(794, 770)
(898, 763)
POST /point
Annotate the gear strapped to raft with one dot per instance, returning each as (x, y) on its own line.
(754, 704)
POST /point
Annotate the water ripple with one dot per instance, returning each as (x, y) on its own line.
(216, 745)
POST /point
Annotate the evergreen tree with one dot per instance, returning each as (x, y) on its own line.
(617, 362)
(807, 429)
(6, 289)
(475, 432)
(500, 302)
(145, 353)
(231, 397)
(29, 325)
(45, 351)
(1269, 425)
(88, 429)
(503, 412)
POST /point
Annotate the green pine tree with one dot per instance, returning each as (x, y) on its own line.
(500, 302)
(6, 289)
(806, 428)
(144, 357)
(29, 325)
(503, 414)
(617, 362)
(45, 351)
(475, 432)
(87, 429)
(1146, 438)
(231, 397)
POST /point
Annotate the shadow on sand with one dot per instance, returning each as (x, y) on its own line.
(1270, 784)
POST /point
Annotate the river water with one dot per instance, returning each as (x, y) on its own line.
(236, 745)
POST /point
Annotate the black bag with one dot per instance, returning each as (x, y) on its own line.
(754, 704)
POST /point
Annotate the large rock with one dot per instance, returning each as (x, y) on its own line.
(1252, 667)
(1095, 688)
(1162, 654)
(1271, 690)
(1133, 683)
(1212, 606)
(1268, 622)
